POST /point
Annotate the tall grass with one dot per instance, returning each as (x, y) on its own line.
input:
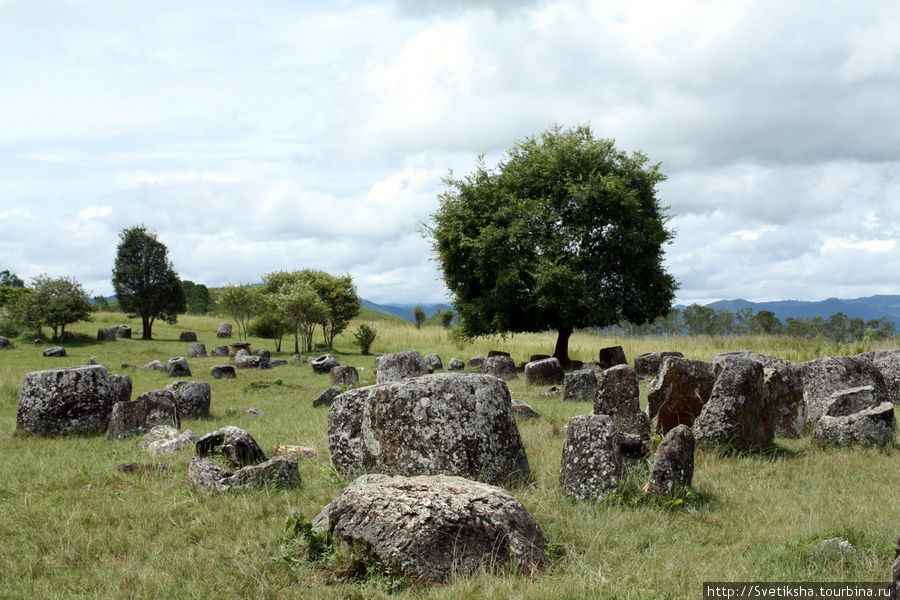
(71, 525)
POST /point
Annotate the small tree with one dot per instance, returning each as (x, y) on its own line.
(339, 295)
(420, 316)
(25, 309)
(364, 337)
(765, 322)
(62, 301)
(302, 310)
(10, 279)
(145, 283)
(241, 302)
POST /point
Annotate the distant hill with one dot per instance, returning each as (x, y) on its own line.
(404, 311)
(873, 307)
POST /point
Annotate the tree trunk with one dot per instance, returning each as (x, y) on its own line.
(148, 328)
(561, 353)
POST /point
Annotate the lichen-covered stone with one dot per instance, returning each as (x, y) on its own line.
(446, 423)
(192, 397)
(738, 411)
(612, 356)
(500, 366)
(869, 427)
(264, 355)
(279, 472)
(673, 463)
(327, 397)
(234, 444)
(523, 411)
(618, 396)
(197, 351)
(323, 364)
(156, 407)
(456, 364)
(678, 392)
(647, 364)
(5, 344)
(475, 362)
(849, 401)
(222, 372)
(432, 528)
(399, 365)
(224, 330)
(220, 351)
(246, 361)
(163, 440)
(123, 331)
(75, 400)
(825, 376)
(546, 371)
(55, 352)
(888, 362)
(344, 375)
(591, 465)
(433, 363)
(178, 367)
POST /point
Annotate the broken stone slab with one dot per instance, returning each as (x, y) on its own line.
(825, 376)
(678, 392)
(278, 472)
(164, 440)
(869, 427)
(156, 407)
(432, 528)
(397, 366)
(591, 463)
(673, 463)
(234, 444)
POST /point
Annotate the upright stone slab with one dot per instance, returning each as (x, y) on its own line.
(178, 367)
(647, 365)
(499, 366)
(433, 363)
(618, 396)
(224, 330)
(673, 463)
(72, 401)
(825, 376)
(441, 424)
(156, 407)
(579, 386)
(399, 365)
(591, 465)
(612, 356)
(197, 351)
(738, 412)
(545, 371)
(678, 393)
(192, 398)
(432, 528)
(344, 375)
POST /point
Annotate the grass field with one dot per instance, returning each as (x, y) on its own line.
(72, 526)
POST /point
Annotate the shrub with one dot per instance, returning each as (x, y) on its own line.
(364, 338)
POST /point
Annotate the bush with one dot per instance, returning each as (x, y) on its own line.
(364, 337)
(8, 329)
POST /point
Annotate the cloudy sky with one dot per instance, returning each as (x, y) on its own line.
(274, 135)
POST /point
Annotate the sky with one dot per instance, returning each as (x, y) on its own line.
(256, 137)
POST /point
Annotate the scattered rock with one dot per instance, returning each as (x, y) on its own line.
(647, 365)
(434, 528)
(344, 375)
(612, 356)
(537, 357)
(673, 463)
(324, 363)
(278, 362)
(197, 351)
(399, 365)
(523, 411)
(163, 440)
(123, 331)
(224, 330)
(264, 354)
(222, 372)
(279, 472)
(433, 363)
(475, 362)
(238, 346)
(618, 396)
(55, 351)
(154, 365)
(553, 392)
(192, 397)
(446, 423)
(91, 361)
(107, 334)
(219, 351)
(591, 465)
(252, 410)
(456, 364)
(546, 371)
(327, 397)
(235, 444)
(849, 401)
(246, 361)
(76, 400)
(499, 366)
(869, 427)
(678, 392)
(895, 573)
(187, 336)
(579, 386)
(38, 342)
(5, 344)
(178, 367)
(264, 365)
(838, 544)
(825, 376)
(156, 407)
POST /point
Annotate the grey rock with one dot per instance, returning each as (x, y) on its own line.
(279, 472)
(499, 366)
(591, 464)
(546, 371)
(825, 376)
(156, 407)
(121, 385)
(222, 372)
(192, 397)
(91, 361)
(197, 351)
(178, 367)
(344, 375)
(220, 351)
(618, 396)
(647, 365)
(849, 401)
(252, 410)
(612, 356)
(434, 528)
(324, 364)
(475, 362)
(55, 351)
(278, 362)
(433, 363)
(154, 365)
(456, 364)
(888, 362)
(738, 412)
(235, 445)
(523, 411)
(537, 357)
(579, 386)
(164, 440)
(264, 365)
(264, 354)
(327, 397)
(446, 423)
(399, 365)
(224, 330)
(123, 331)
(107, 334)
(673, 463)
(242, 352)
(493, 353)
(187, 336)
(76, 400)
(869, 427)
(664, 355)
(246, 361)
(5, 344)
(678, 392)
(38, 342)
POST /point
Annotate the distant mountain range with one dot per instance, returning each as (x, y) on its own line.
(873, 307)
(404, 311)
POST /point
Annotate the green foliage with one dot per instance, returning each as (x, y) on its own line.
(241, 302)
(566, 233)
(145, 283)
(198, 301)
(101, 303)
(301, 309)
(8, 279)
(52, 302)
(420, 316)
(364, 337)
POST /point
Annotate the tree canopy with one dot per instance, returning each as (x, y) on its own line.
(566, 232)
(52, 302)
(144, 281)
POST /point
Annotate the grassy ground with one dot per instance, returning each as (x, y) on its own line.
(71, 525)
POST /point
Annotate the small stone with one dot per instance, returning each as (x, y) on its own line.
(254, 411)
(139, 468)
(456, 364)
(187, 336)
(55, 351)
(523, 411)
(579, 386)
(224, 330)
(222, 372)
(178, 367)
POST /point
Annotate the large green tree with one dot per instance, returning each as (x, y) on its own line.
(53, 302)
(145, 283)
(566, 232)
